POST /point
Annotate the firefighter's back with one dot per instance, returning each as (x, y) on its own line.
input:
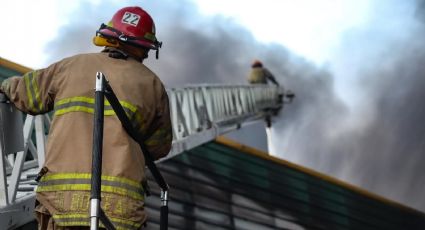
(64, 189)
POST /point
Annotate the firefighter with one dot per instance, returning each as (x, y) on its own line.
(67, 89)
(260, 74)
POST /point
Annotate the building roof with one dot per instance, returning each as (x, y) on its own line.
(9, 68)
(226, 185)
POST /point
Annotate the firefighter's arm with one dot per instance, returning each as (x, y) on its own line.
(160, 140)
(33, 92)
(270, 77)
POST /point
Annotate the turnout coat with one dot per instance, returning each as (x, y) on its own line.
(66, 89)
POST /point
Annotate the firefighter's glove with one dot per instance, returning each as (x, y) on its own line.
(42, 172)
(4, 86)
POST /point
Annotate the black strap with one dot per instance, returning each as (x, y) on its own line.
(116, 106)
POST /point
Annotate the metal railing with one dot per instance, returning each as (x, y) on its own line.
(199, 114)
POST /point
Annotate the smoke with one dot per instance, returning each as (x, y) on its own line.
(195, 49)
(378, 143)
(375, 142)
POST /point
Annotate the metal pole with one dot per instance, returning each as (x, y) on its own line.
(164, 210)
(269, 141)
(268, 121)
(97, 152)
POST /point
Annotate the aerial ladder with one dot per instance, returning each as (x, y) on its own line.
(199, 114)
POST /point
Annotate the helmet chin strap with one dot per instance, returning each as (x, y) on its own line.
(118, 54)
(115, 53)
(158, 45)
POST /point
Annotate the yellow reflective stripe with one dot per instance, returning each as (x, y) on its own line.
(61, 220)
(90, 100)
(79, 186)
(73, 223)
(75, 99)
(27, 86)
(159, 136)
(74, 109)
(61, 176)
(86, 104)
(80, 108)
(128, 105)
(68, 216)
(152, 142)
(36, 91)
(87, 187)
(30, 79)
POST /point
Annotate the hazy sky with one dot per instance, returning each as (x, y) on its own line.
(357, 67)
(318, 28)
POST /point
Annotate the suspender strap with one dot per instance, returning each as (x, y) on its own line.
(116, 106)
(110, 96)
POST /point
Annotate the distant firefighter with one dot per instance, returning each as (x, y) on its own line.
(260, 74)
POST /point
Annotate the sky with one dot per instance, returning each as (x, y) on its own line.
(356, 66)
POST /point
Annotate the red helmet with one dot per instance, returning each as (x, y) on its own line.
(256, 63)
(132, 25)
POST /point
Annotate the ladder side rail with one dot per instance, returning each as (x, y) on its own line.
(200, 110)
(192, 110)
(209, 103)
(244, 100)
(218, 97)
(185, 106)
(216, 109)
(4, 196)
(216, 104)
(8, 160)
(226, 103)
(174, 114)
(19, 160)
(40, 139)
(231, 102)
(201, 107)
(183, 111)
(238, 101)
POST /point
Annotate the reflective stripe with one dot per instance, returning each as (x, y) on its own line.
(81, 182)
(86, 104)
(87, 187)
(160, 136)
(84, 220)
(33, 94)
(150, 37)
(58, 176)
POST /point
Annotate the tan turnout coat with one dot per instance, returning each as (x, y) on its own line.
(261, 75)
(67, 89)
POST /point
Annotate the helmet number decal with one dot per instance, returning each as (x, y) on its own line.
(130, 18)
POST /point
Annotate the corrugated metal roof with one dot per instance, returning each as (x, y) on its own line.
(225, 185)
(8, 68)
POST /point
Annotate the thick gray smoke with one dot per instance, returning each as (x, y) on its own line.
(377, 145)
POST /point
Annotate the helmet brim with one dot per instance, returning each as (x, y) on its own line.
(143, 43)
